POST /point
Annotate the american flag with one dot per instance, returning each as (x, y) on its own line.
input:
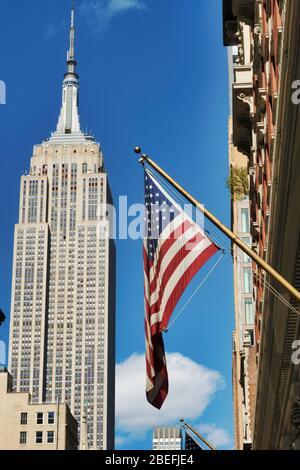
(175, 248)
(190, 443)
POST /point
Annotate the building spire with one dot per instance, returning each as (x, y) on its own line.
(68, 126)
(71, 53)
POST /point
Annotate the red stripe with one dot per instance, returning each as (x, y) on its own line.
(147, 261)
(156, 396)
(175, 235)
(182, 284)
(175, 262)
(149, 370)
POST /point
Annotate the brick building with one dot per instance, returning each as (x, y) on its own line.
(266, 130)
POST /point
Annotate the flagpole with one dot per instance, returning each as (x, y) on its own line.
(198, 434)
(233, 237)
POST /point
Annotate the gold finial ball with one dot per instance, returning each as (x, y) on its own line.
(138, 150)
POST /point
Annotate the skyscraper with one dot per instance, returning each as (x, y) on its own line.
(62, 345)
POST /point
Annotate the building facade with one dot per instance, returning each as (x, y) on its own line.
(32, 426)
(266, 130)
(167, 438)
(243, 340)
(62, 331)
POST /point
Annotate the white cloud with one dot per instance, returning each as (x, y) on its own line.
(191, 389)
(99, 13)
(218, 437)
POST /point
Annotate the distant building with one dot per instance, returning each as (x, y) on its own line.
(167, 438)
(33, 426)
(2, 317)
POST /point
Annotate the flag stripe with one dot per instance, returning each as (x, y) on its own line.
(178, 227)
(175, 287)
(173, 271)
(166, 254)
(183, 282)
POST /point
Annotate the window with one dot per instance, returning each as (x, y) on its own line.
(249, 317)
(23, 418)
(50, 437)
(39, 418)
(39, 437)
(247, 280)
(246, 258)
(51, 417)
(245, 220)
(23, 437)
(251, 336)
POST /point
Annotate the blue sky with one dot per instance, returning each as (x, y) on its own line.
(153, 73)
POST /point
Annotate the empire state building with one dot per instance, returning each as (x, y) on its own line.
(62, 330)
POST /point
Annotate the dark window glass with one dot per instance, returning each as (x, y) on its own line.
(39, 418)
(51, 415)
(23, 418)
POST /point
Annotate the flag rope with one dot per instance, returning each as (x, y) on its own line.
(198, 288)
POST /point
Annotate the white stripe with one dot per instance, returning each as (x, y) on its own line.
(172, 253)
(176, 276)
(177, 242)
(173, 225)
(149, 359)
(149, 384)
(165, 235)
